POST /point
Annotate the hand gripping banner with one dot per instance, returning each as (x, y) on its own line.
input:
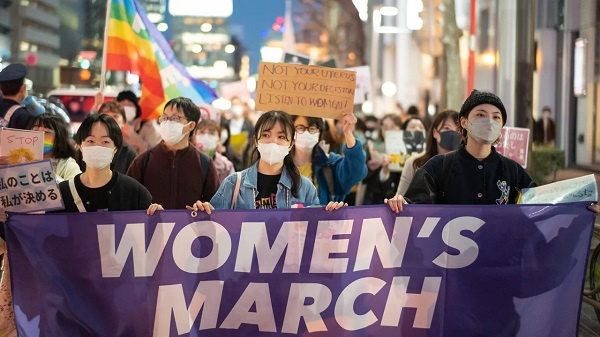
(431, 270)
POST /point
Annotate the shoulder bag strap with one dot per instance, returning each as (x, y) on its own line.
(76, 197)
(236, 191)
(9, 113)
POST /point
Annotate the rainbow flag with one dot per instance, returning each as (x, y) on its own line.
(134, 44)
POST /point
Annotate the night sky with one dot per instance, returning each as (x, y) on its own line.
(251, 17)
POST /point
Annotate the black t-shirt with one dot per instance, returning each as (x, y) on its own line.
(95, 199)
(267, 191)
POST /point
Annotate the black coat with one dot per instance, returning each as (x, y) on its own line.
(126, 195)
(494, 180)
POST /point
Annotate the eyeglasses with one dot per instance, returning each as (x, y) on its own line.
(174, 119)
(311, 129)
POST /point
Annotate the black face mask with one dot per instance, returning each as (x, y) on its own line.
(414, 141)
(449, 140)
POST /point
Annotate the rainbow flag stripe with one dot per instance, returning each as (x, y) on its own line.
(134, 44)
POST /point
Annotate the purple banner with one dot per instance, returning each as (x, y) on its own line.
(429, 271)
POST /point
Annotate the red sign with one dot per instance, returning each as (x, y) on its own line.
(31, 59)
(514, 144)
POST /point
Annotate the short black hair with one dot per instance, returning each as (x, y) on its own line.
(114, 131)
(63, 149)
(189, 109)
(11, 88)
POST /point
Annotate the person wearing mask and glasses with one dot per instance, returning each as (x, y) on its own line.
(175, 172)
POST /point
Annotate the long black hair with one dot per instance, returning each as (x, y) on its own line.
(266, 123)
(431, 144)
(63, 148)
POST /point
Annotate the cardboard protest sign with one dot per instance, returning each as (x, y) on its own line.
(364, 87)
(514, 144)
(401, 145)
(29, 187)
(21, 146)
(305, 90)
(570, 190)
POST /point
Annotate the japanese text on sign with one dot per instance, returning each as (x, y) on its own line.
(305, 90)
(29, 187)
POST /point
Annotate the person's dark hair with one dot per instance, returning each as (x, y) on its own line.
(546, 108)
(412, 111)
(431, 148)
(11, 88)
(405, 125)
(360, 125)
(189, 109)
(114, 131)
(132, 97)
(266, 123)
(113, 107)
(63, 149)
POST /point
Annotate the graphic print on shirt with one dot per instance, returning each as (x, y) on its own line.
(503, 200)
(266, 203)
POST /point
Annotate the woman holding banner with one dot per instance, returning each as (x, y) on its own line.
(99, 188)
(273, 181)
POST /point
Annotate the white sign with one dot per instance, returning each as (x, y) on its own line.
(571, 190)
(400, 146)
(201, 8)
(21, 146)
(29, 188)
(364, 88)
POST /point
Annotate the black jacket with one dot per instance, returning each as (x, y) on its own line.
(494, 180)
(126, 195)
(21, 118)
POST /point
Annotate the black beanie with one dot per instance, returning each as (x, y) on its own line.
(482, 97)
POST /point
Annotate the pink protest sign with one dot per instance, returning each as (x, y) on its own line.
(514, 144)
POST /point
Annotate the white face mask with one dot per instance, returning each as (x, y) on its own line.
(273, 153)
(224, 136)
(97, 157)
(237, 110)
(306, 140)
(485, 130)
(206, 142)
(130, 112)
(171, 132)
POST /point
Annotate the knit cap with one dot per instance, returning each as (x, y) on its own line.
(482, 97)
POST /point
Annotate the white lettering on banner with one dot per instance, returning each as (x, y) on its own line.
(468, 249)
(373, 236)
(257, 294)
(171, 299)
(182, 247)
(424, 302)
(291, 238)
(209, 293)
(345, 315)
(133, 240)
(311, 313)
(254, 238)
(325, 245)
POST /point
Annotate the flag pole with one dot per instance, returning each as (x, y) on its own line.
(104, 49)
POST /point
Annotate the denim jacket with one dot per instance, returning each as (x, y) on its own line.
(307, 192)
